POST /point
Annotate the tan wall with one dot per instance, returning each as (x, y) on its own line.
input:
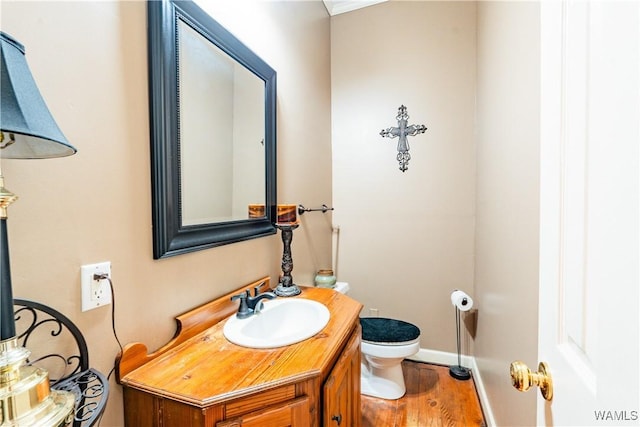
(406, 239)
(507, 244)
(89, 59)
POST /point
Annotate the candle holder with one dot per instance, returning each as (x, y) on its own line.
(286, 287)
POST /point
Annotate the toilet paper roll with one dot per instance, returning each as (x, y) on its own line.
(461, 300)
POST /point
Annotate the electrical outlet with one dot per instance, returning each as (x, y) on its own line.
(95, 293)
(373, 312)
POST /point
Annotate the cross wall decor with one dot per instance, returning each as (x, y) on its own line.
(401, 132)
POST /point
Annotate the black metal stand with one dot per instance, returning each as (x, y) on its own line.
(459, 372)
(286, 287)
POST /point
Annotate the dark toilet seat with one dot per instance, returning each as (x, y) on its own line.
(383, 331)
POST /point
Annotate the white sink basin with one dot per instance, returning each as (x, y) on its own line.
(282, 321)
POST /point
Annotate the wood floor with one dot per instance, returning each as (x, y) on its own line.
(433, 398)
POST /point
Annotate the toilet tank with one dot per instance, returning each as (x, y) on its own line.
(342, 287)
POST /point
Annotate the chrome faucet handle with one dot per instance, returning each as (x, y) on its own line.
(240, 296)
(256, 290)
(243, 308)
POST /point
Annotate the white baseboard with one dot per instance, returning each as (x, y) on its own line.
(444, 358)
(482, 394)
(441, 358)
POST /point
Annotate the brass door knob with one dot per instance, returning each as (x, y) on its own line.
(522, 378)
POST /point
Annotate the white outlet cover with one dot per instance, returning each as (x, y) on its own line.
(95, 293)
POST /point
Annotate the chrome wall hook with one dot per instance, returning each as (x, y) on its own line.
(323, 209)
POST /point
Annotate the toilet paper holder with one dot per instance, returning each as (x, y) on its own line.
(462, 302)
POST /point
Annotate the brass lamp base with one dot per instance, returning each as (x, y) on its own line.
(25, 396)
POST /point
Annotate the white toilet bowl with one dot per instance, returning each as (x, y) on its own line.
(385, 343)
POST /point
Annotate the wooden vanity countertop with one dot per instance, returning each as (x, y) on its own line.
(207, 369)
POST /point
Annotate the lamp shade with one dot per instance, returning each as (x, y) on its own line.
(30, 132)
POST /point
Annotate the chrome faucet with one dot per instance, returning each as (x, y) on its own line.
(256, 302)
(250, 305)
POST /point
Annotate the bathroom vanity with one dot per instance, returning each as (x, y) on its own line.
(200, 378)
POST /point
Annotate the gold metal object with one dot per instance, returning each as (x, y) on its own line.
(8, 142)
(6, 198)
(522, 378)
(25, 396)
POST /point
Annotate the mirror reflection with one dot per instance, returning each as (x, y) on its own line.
(213, 133)
(222, 132)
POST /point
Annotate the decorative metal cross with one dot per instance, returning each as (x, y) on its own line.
(401, 132)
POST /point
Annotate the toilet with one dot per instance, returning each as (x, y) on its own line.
(385, 343)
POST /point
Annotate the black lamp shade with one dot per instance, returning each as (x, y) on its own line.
(23, 112)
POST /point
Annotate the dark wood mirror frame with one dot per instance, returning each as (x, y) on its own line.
(170, 237)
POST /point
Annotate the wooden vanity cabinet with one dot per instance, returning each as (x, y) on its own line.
(204, 380)
(341, 389)
(277, 407)
(294, 413)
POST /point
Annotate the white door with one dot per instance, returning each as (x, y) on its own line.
(589, 300)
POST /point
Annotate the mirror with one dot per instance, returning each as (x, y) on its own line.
(213, 145)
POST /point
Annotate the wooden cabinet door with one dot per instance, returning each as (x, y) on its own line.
(294, 413)
(342, 388)
(336, 398)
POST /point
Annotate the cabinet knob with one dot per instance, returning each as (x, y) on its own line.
(337, 419)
